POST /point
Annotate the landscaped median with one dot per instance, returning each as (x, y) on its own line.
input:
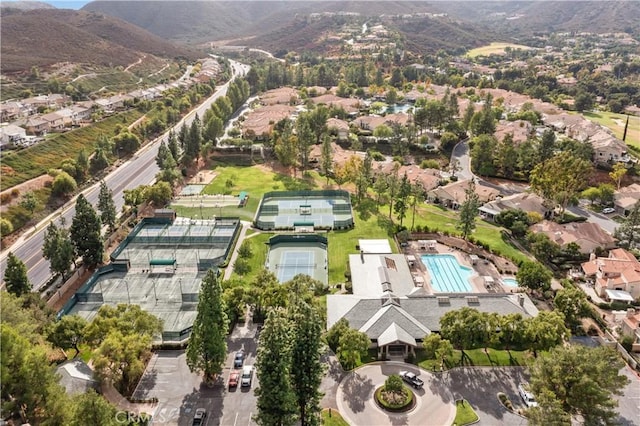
(465, 415)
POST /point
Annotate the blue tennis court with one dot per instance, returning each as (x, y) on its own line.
(293, 263)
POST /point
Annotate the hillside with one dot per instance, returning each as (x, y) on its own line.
(218, 20)
(526, 17)
(25, 5)
(46, 36)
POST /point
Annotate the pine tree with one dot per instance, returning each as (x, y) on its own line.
(106, 206)
(306, 367)
(172, 144)
(15, 276)
(85, 233)
(276, 400)
(469, 210)
(58, 250)
(207, 348)
(327, 157)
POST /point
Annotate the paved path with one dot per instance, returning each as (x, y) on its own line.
(243, 232)
(435, 403)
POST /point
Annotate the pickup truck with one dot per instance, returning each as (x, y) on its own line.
(412, 379)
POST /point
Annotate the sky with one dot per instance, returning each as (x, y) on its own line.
(67, 4)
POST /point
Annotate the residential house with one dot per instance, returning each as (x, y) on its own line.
(625, 198)
(371, 122)
(341, 128)
(631, 327)
(428, 178)
(67, 116)
(616, 277)
(525, 201)
(454, 194)
(81, 114)
(396, 313)
(350, 105)
(520, 130)
(36, 125)
(282, 96)
(55, 121)
(12, 135)
(587, 235)
(259, 123)
(10, 111)
(608, 150)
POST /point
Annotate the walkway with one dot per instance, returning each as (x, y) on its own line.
(243, 232)
(435, 403)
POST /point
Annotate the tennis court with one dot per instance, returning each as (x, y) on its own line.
(294, 263)
(319, 209)
(290, 255)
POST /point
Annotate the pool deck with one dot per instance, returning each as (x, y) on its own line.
(480, 269)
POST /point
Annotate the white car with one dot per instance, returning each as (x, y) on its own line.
(527, 396)
(608, 210)
(247, 376)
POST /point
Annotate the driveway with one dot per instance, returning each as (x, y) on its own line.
(461, 153)
(354, 398)
(480, 386)
(603, 220)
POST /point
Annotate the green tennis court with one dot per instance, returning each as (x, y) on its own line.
(290, 255)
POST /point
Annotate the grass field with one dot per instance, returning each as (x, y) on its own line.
(475, 357)
(616, 122)
(20, 166)
(494, 49)
(333, 419)
(464, 414)
(259, 251)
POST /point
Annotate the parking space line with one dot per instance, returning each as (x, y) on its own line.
(236, 420)
(250, 414)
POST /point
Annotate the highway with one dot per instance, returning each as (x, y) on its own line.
(139, 170)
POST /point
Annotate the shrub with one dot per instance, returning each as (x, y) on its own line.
(245, 250)
(242, 267)
(15, 192)
(429, 164)
(393, 383)
(5, 197)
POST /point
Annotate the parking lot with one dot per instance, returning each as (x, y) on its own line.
(181, 392)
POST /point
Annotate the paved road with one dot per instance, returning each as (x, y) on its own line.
(354, 398)
(139, 170)
(603, 220)
(461, 153)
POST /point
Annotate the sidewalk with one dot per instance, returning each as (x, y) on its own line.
(243, 232)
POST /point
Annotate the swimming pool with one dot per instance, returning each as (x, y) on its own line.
(510, 282)
(447, 274)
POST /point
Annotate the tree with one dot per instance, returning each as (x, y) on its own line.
(545, 330)
(583, 101)
(512, 330)
(276, 399)
(534, 276)
(124, 319)
(581, 381)
(6, 227)
(628, 230)
(172, 145)
(560, 178)
(85, 233)
(484, 147)
(63, 185)
(121, 359)
(573, 304)
(618, 172)
(307, 369)
(454, 327)
(417, 197)
(82, 166)
(29, 202)
(437, 348)
(592, 194)
(507, 156)
(15, 276)
(393, 383)
(68, 332)
(326, 160)
(207, 348)
(353, 345)
(126, 142)
(547, 145)
(160, 193)
(469, 210)
(401, 204)
(334, 334)
(92, 408)
(305, 140)
(106, 206)
(98, 161)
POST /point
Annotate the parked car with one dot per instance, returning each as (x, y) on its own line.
(247, 375)
(526, 395)
(412, 379)
(199, 416)
(233, 379)
(608, 210)
(238, 360)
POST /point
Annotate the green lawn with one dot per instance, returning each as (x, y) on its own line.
(476, 357)
(259, 251)
(494, 49)
(616, 123)
(464, 414)
(335, 419)
(445, 220)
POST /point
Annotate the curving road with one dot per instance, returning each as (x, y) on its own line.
(139, 170)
